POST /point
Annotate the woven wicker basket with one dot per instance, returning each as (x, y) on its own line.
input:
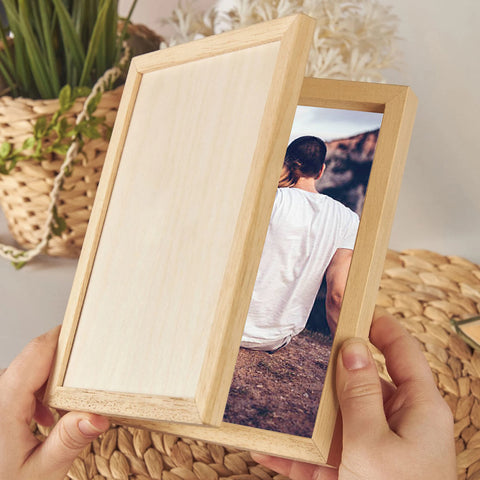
(423, 290)
(24, 193)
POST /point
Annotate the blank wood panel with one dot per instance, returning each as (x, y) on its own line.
(170, 224)
(163, 284)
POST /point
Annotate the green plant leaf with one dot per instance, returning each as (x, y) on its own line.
(48, 40)
(7, 74)
(62, 128)
(58, 42)
(8, 164)
(58, 225)
(6, 49)
(91, 132)
(19, 265)
(34, 53)
(40, 127)
(7, 65)
(61, 149)
(81, 92)
(123, 33)
(93, 104)
(71, 39)
(111, 36)
(5, 150)
(21, 60)
(95, 42)
(65, 98)
(29, 143)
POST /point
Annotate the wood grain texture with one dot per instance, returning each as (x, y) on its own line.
(347, 95)
(93, 232)
(167, 236)
(253, 36)
(253, 220)
(372, 238)
(167, 216)
(238, 436)
(126, 404)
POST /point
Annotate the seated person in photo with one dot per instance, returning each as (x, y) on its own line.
(310, 235)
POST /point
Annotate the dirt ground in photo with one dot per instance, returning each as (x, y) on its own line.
(280, 391)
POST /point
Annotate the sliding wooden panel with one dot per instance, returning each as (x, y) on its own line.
(164, 281)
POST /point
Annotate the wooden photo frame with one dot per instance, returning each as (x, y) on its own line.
(286, 344)
(163, 285)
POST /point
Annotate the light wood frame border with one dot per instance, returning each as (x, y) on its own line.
(294, 36)
(398, 105)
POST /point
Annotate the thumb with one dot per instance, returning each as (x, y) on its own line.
(359, 394)
(54, 457)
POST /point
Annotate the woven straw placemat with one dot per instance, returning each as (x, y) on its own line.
(423, 290)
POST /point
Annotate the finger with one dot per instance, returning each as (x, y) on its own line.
(404, 360)
(54, 457)
(28, 372)
(296, 470)
(43, 415)
(388, 389)
(359, 394)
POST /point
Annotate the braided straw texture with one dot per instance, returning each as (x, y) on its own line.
(423, 290)
(24, 193)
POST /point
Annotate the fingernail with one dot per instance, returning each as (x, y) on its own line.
(53, 332)
(88, 429)
(355, 355)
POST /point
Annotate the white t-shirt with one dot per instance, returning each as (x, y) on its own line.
(304, 233)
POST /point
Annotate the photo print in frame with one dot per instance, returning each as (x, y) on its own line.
(162, 290)
(286, 344)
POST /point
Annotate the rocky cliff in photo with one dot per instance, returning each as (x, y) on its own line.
(348, 165)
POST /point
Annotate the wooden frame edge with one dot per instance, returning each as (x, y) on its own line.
(222, 351)
(208, 47)
(92, 236)
(220, 44)
(236, 436)
(126, 404)
(372, 240)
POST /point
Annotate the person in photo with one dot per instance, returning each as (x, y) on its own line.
(309, 235)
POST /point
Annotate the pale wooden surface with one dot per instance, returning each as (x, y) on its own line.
(129, 404)
(215, 132)
(169, 227)
(238, 436)
(92, 236)
(376, 222)
(253, 220)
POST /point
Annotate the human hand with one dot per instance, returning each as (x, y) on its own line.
(402, 431)
(23, 456)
